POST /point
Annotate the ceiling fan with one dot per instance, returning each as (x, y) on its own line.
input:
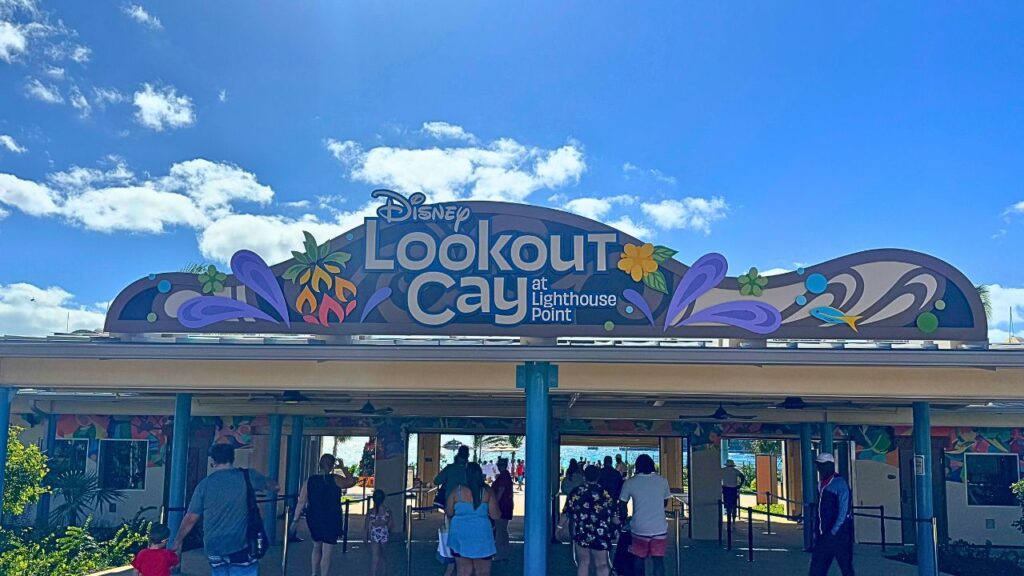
(367, 409)
(286, 397)
(798, 403)
(720, 414)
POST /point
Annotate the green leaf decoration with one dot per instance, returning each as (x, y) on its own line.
(746, 289)
(310, 245)
(300, 257)
(656, 281)
(338, 258)
(662, 253)
(293, 272)
(752, 273)
(761, 281)
(755, 289)
(325, 250)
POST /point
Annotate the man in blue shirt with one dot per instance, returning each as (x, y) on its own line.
(834, 530)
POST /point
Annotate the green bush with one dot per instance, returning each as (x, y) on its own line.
(73, 552)
(26, 468)
(961, 558)
(776, 508)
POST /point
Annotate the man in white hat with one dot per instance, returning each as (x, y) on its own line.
(732, 480)
(834, 530)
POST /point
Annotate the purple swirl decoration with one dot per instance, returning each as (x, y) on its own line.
(634, 298)
(705, 274)
(374, 300)
(252, 271)
(757, 317)
(206, 310)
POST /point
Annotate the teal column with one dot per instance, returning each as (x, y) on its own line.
(273, 468)
(724, 442)
(538, 466)
(49, 447)
(6, 397)
(828, 432)
(294, 460)
(926, 561)
(810, 490)
(179, 461)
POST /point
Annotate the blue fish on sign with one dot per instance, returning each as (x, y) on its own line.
(830, 315)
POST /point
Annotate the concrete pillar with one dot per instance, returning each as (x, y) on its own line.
(809, 488)
(389, 475)
(294, 471)
(724, 449)
(538, 467)
(50, 448)
(926, 560)
(705, 491)
(273, 473)
(179, 461)
(671, 456)
(428, 463)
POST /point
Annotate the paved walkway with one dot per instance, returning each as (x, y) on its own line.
(777, 555)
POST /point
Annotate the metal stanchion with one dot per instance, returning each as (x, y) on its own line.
(935, 542)
(679, 557)
(750, 534)
(881, 512)
(344, 527)
(719, 522)
(163, 515)
(287, 537)
(408, 539)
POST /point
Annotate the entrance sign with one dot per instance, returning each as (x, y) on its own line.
(499, 269)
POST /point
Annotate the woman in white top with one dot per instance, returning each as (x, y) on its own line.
(648, 527)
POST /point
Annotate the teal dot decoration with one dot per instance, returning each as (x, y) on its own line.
(609, 326)
(927, 322)
(164, 286)
(629, 309)
(800, 270)
(940, 304)
(152, 276)
(349, 236)
(151, 317)
(801, 300)
(816, 283)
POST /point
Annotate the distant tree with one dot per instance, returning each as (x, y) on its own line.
(26, 468)
(194, 267)
(760, 446)
(986, 298)
(513, 442)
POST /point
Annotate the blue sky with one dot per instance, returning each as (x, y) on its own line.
(136, 138)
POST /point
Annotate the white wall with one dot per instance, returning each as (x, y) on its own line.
(978, 524)
(874, 484)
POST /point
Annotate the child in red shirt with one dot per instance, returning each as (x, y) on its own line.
(156, 560)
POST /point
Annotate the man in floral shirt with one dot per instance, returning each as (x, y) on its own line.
(595, 518)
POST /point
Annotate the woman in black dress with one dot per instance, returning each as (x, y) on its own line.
(321, 499)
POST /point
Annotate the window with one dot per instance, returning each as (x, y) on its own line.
(989, 477)
(69, 455)
(123, 464)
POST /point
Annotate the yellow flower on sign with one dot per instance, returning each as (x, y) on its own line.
(638, 261)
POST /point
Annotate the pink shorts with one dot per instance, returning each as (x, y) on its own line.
(648, 546)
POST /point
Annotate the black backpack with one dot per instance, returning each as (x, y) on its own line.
(256, 534)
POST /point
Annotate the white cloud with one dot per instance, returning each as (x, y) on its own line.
(629, 169)
(43, 92)
(81, 54)
(596, 208)
(222, 96)
(13, 41)
(193, 194)
(28, 310)
(162, 107)
(78, 102)
(30, 197)
(55, 72)
(132, 208)
(299, 204)
(139, 14)
(503, 170)
(774, 271)
(634, 229)
(687, 214)
(10, 144)
(272, 237)
(446, 131)
(104, 96)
